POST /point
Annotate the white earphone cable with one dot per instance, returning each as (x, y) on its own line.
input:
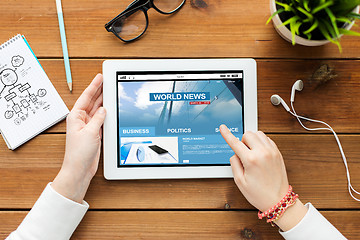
(329, 128)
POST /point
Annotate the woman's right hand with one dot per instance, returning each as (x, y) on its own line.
(260, 174)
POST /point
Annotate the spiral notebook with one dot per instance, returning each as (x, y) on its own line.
(29, 103)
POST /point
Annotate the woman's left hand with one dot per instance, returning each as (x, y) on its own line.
(83, 142)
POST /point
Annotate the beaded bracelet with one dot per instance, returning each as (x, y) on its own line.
(278, 210)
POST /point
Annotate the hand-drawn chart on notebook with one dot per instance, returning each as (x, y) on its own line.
(22, 100)
(29, 102)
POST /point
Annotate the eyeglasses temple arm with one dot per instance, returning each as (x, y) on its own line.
(132, 5)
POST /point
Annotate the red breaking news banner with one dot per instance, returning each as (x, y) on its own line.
(200, 103)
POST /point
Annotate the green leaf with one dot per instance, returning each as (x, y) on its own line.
(330, 29)
(306, 5)
(309, 15)
(308, 35)
(287, 7)
(312, 28)
(333, 21)
(325, 33)
(343, 19)
(349, 32)
(293, 34)
(277, 12)
(353, 15)
(344, 7)
(321, 7)
(296, 26)
(289, 21)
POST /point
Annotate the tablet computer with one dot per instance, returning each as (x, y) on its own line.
(163, 116)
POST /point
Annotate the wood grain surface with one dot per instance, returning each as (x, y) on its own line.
(195, 208)
(181, 225)
(229, 28)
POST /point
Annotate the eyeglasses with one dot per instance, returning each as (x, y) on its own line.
(133, 21)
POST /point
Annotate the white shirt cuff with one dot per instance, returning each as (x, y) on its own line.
(313, 226)
(52, 217)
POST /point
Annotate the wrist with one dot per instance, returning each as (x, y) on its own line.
(292, 216)
(287, 213)
(71, 185)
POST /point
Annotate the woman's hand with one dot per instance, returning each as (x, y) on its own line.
(83, 141)
(260, 174)
(258, 168)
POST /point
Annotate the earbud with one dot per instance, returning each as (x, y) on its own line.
(298, 86)
(276, 100)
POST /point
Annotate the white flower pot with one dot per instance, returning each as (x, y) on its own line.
(285, 33)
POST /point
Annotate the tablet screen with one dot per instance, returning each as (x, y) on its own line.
(173, 118)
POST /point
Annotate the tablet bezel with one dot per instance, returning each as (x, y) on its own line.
(110, 67)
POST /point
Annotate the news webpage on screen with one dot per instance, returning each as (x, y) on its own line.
(172, 118)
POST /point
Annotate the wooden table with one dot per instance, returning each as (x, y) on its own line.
(190, 209)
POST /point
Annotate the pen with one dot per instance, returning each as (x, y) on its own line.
(64, 44)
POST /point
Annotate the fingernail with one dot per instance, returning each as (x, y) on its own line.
(99, 75)
(101, 110)
(223, 127)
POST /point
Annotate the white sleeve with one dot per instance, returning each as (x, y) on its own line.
(313, 226)
(52, 217)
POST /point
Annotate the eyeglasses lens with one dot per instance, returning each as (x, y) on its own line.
(131, 26)
(168, 6)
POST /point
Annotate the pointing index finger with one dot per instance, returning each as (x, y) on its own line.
(236, 145)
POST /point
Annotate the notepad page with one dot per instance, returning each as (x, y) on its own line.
(29, 103)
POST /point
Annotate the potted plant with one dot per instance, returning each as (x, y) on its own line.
(314, 22)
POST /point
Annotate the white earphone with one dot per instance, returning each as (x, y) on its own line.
(298, 86)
